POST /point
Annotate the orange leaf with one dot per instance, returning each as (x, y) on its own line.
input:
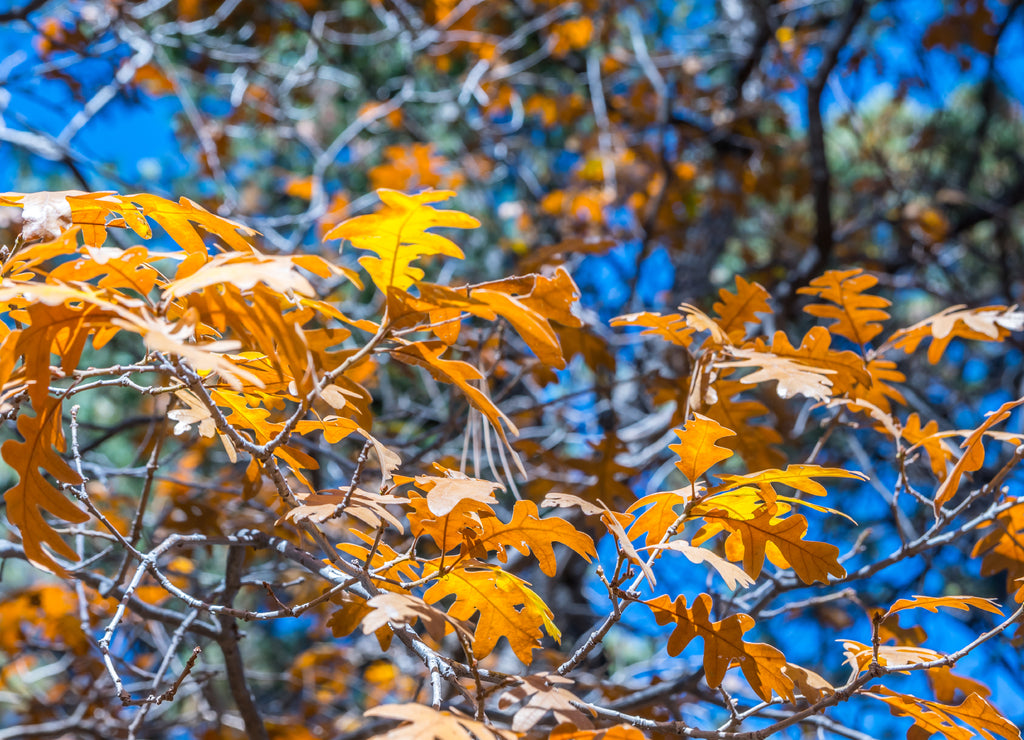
(697, 449)
(33, 493)
(738, 309)
(762, 664)
(811, 561)
(857, 315)
(528, 533)
(932, 604)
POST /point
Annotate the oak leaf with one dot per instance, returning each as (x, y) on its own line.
(697, 448)
(398, 235)
(426, 723)
(543, 693)
(33, 493)
(528, 533)
(751, 538)
(762, 665)
(858, 315)
(736, 310)
(508, 608)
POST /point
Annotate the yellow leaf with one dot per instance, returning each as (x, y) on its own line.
(508, 608)
(811, 561)
(653, 524)
(398, 235)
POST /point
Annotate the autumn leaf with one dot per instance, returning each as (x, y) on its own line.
(405, 608)
(445, 493)
(860, 656)
(671, 327)
(424, 723)
(508, 608)
(973, 456)
(932, 604)
(398, 235)
(528, 533)
(736, 310)
(991, 323)
(733, 576)
(799, 477)
(749, 540)
(697, 448)
(543, 693)
(33, 493)
(931, 718)
(658, 515)
(858, 315)
(762, 665)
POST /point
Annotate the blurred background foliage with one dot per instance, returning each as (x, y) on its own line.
(655, 149)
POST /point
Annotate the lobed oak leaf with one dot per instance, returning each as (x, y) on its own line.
(196, 411)
(507, 606)
(734, 576)
(860, 656)
(33, 493)
(990, 323)
(659, 516)
(243, 271)
(946, 684)
(812, 686)
(973, 456)
(671, 327)
(568, 731)
(543, 693)
(976, 713)
(451, 530)
(811, 561)
(1002, 547)
(398, 235)
(762, 665)
(426, 723)
(844, 369)
(799, 477)
(697, 448)
(793, 378)
(528, 533)
(932, 604)
(180, 219)
(445, 493)
(736, 310)
(858, 315)
(365, 506)
(569, 501)
(405, 608)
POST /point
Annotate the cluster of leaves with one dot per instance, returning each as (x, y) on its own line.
(267, 484)
(669, 125)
